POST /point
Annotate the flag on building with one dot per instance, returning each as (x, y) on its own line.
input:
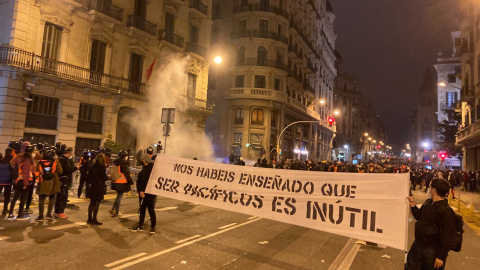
(150, 68)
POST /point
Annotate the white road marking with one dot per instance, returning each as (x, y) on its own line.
(187, 239)
(128, 215)
(126, 259)
(252, 217)
(345, 258)
(166, 208)
(226, 226)
(66, 226)
(3, 237)
(183, 245)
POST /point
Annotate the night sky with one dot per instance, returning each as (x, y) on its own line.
(388, 44)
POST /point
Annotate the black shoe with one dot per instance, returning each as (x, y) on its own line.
(11, 217)
(40, 218)
(137, 229)
(49, 218)
(95, 222)
(152, 230)
(89, 221)
(23, 217)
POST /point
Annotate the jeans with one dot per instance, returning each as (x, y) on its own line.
(80, 186)
(6, 195)
(118, 200)
(148, 203)
(61, 201)
(30, 194)
(19, 192)
(422, 258)
(41, 204)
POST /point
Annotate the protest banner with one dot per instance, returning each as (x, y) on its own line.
(365, 206)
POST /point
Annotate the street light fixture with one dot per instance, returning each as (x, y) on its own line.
(280, 135)
(218, 59)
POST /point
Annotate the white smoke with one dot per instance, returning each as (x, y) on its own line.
(167, 88)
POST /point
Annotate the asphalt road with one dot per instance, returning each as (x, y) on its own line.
(195, 237)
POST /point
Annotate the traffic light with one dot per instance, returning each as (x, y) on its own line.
(443, 156)
(331, 121)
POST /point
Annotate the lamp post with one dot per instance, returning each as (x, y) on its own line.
(346, 147)
(280, 135)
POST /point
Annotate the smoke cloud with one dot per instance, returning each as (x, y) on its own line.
(167, 89)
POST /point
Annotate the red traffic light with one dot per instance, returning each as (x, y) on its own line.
(331, 120)
(443, 155)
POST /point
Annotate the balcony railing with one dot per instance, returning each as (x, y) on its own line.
(142, 24)
(269, 35)
(305, 39)
(89, 127)
(198, 5)
(257, 93)
(20, 58)
(171, 38)
(107, 8)
(272, 9)
(467, 91)
(253, 61)
(195, 48)
(238, 9)
(241, 34)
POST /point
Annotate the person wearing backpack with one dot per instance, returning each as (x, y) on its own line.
(121, 180)
(49, 183)
(435, 229)
(6, 179)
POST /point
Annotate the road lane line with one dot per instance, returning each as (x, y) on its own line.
(128, 215)
(126, 259)
(226, 226)
(66, 226)
(183, 245)
(166, 208)
(346, 256)
(252, 217)
(187, 239)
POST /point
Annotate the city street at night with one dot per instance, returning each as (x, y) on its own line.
(196, 237)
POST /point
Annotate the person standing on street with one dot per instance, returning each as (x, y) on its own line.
(6, 179)
(66, 181)
(434, 229)
(49, 183)
(85, 164)
(147, 201)
(122, 183)
(97, 175)
(25, 165)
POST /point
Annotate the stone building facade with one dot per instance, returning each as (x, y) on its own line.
(71, 69)
(279, 68)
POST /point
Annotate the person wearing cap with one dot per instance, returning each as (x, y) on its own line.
(25, 164)
(147, 201)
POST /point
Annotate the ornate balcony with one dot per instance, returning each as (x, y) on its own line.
(467, 93)
(198, 5)
(269, 35)
(107, 8)
(19, 58)
(196, 49)
(142, 24)
(171, 38)
(256, 93)
(241, 34)
(253, 61)
(238, 9)
(272, 9)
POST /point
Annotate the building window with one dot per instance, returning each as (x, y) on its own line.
(135, 72)
(263, 27)
(194, 34)
(240, 81)
(169, 26)
(97, 61)
(257, 117)
(276, 84)
(237, 138)
(52, 36)
(451, 99)
(239, 116)
(452, 78)
(90, 119)
(260, 81)
(215, 34)
(216, 13)
(273, 121)
(242, 27)
(85, 143)
(42, 112)
(192, 85)
(261, 56)
(34, 138)
(241, 56)
(140, 8)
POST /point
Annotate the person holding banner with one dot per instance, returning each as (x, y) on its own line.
(434, 229)
(147, 201)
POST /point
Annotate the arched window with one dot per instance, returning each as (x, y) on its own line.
(261, 56)
(241, 56)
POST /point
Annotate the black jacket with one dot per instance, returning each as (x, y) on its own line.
(96, 177)
(143, 177)
(68, 168)
(435, 227)
(125, 169)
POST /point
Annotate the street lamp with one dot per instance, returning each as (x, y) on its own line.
(280, 135)
(346, 147)
(218, 59)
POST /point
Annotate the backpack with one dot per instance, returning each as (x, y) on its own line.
(48, 168)
(458, 239)
(114, 173)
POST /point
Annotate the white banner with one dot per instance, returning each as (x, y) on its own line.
(366, 206)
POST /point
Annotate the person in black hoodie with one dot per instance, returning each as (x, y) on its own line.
(66, 181)
(122, 183)
(147, 201)
(97, 175)
(6, 178)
